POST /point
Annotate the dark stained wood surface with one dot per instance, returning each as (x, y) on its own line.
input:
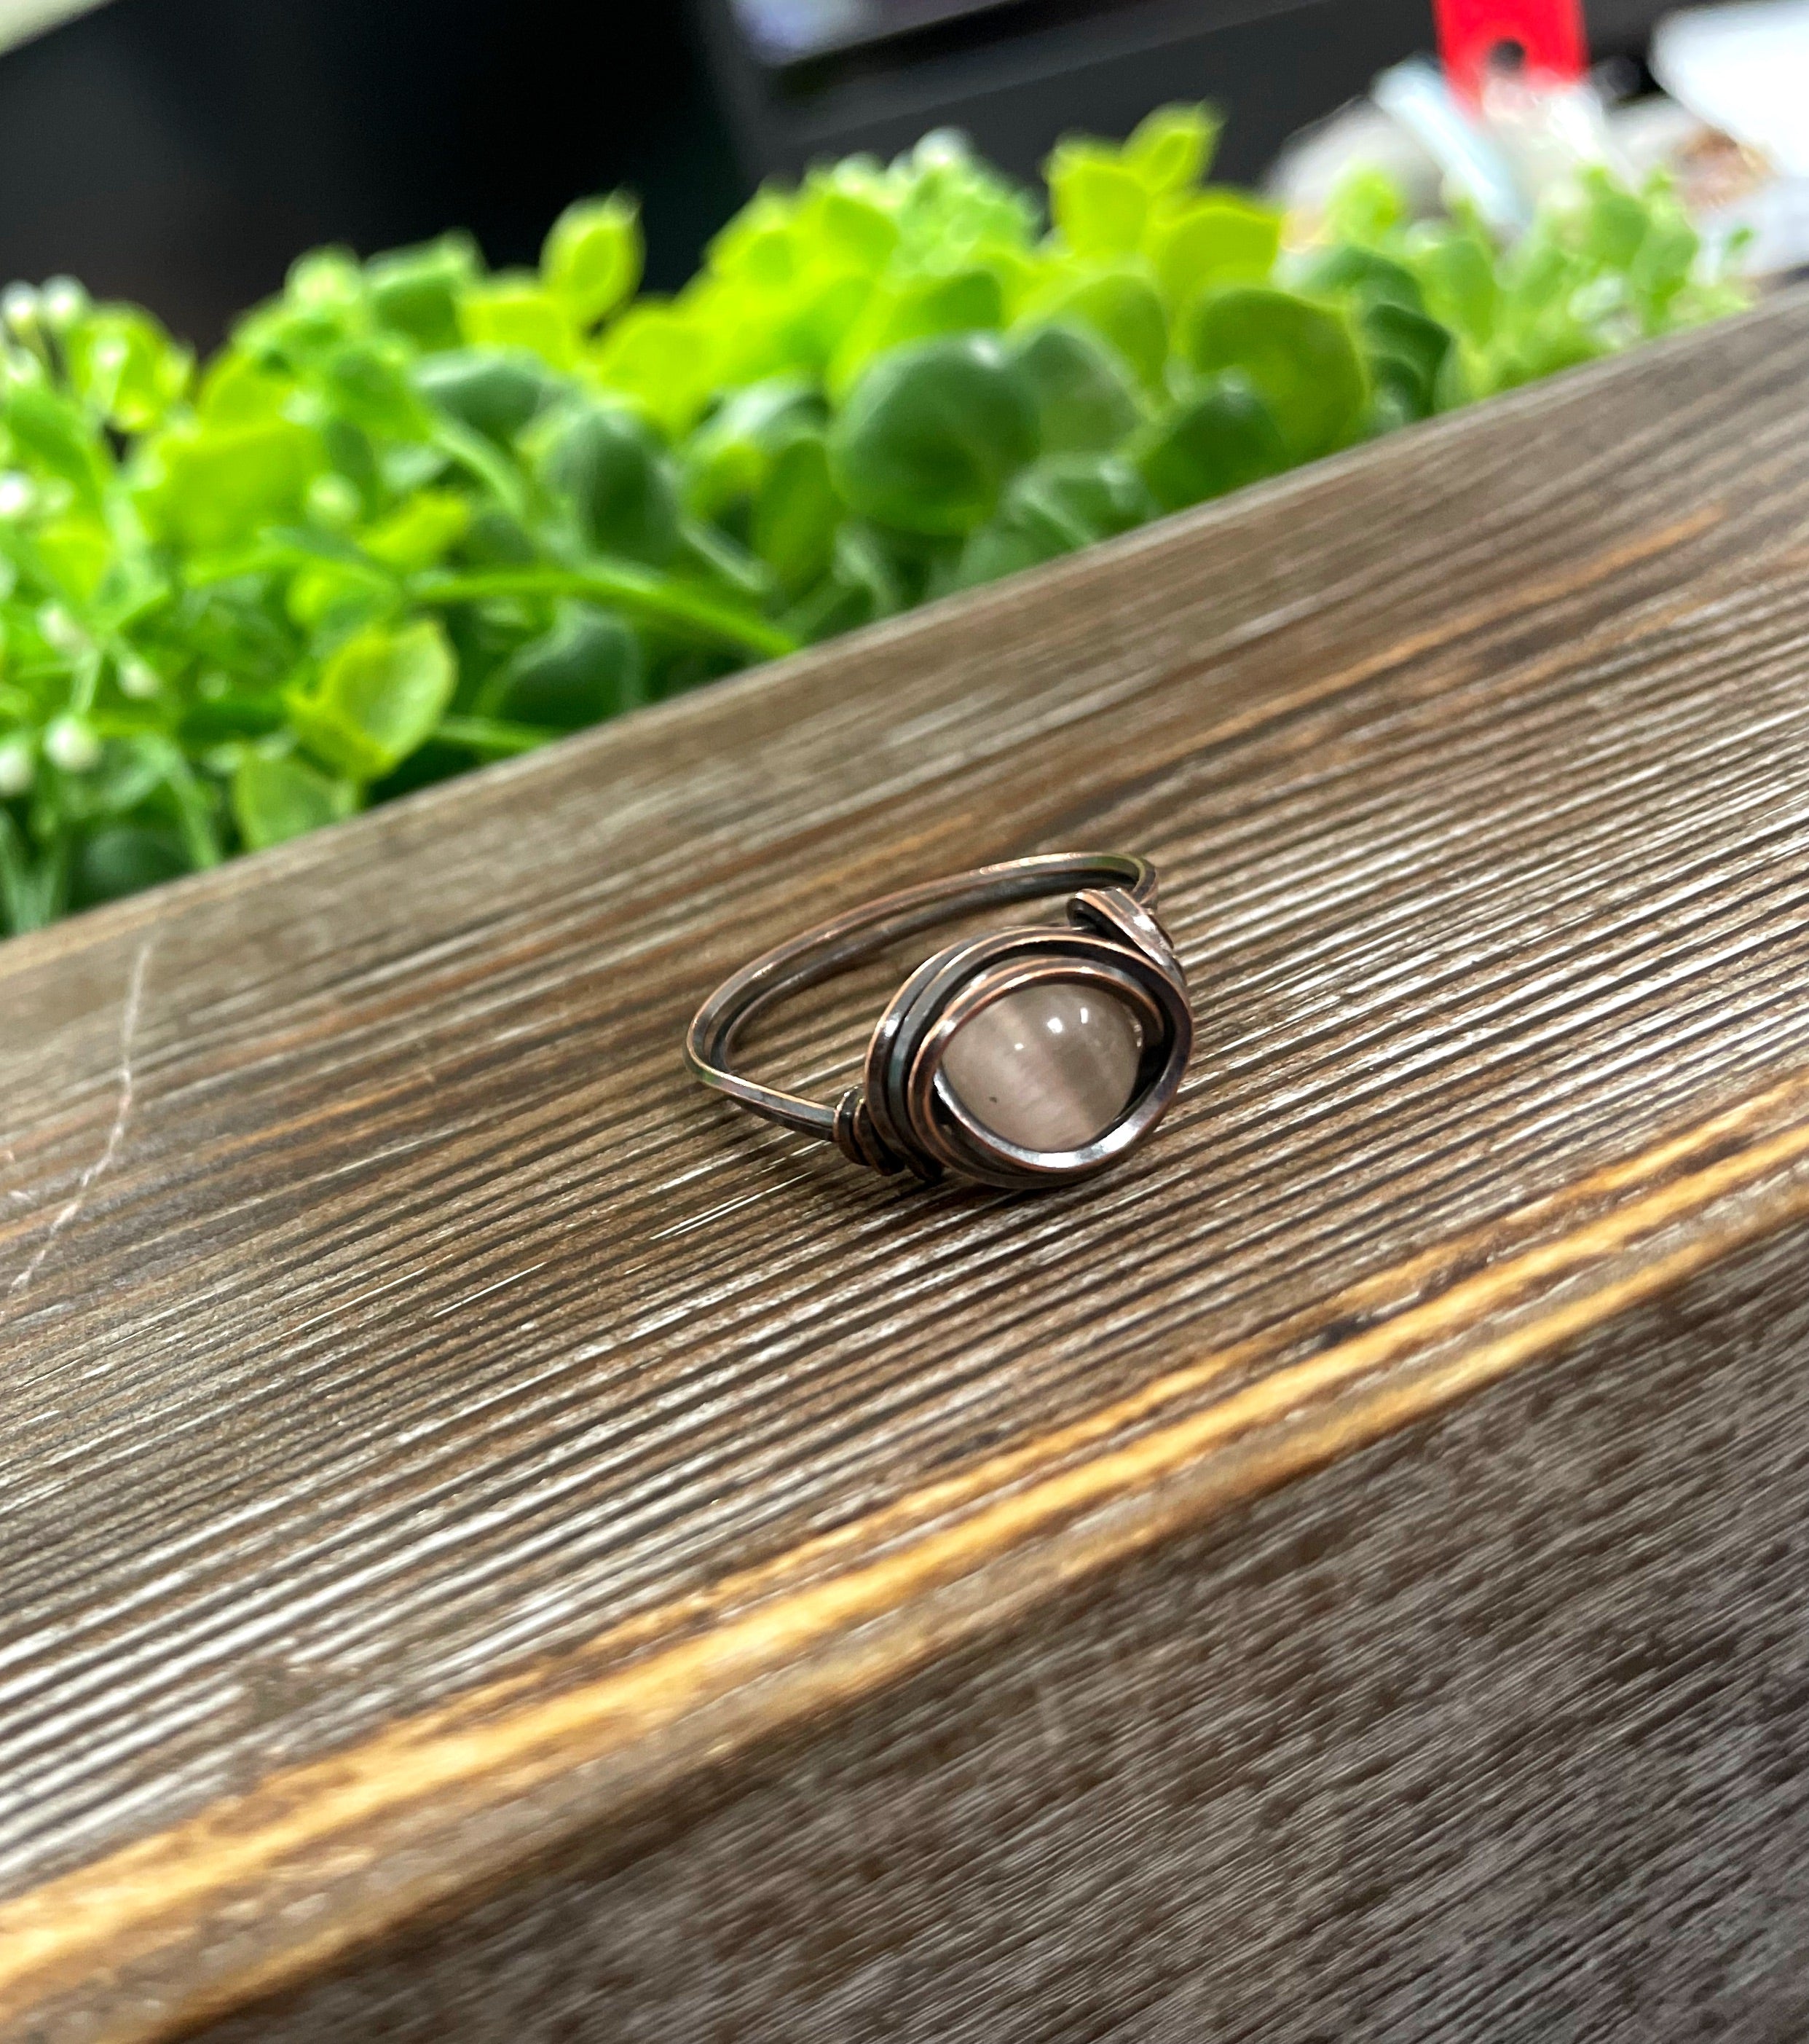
(427, 1417)
(1497, 1729)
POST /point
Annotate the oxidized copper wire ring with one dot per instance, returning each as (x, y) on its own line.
(1027, 1056)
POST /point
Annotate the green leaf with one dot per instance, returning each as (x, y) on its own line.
(588, 666)
(76, 553)
(237, 390)
(1544, 347)
(591, 260)
(726, 459)
(212, 485)
(1216, 238)
(274, 799)
(1220, 439)
(1539, 277)
(493, 391)
(932, 434)
(851, 228)
(1118, 301)
(377, 698)
(366, 383)
(1005, 547)
(659, 356)
(54, 435)
(1299, 357)
(127, 367)
(416, 291)
(1406, 354)
(325, 280)
(514, 311)
(796, 513)
(1171, 149)
(1084, 399)
(1613, 220)
(419, 532)
(915, 309)
(1663, 263)
(329, 602)
(1089, 496)
(1455, 269)
(730, 335)
(1367, 207)
(1061, 502)
(1098, 203)
(610, 469)
(759, 246)
(324, 302)
(119, 859)
(1360, 275)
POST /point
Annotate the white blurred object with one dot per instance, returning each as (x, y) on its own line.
(1527, 136)
(20, 19)
(1312, 164)
(1548, 131)
(1416, 95)
(1744, 70)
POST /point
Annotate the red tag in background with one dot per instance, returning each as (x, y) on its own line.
(1547, 33)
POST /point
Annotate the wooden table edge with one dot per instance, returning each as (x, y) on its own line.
(258, 1891)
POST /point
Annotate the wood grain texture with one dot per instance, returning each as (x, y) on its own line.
(1495, 1729)
(431, 1422)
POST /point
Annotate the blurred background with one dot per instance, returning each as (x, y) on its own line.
(180, 153)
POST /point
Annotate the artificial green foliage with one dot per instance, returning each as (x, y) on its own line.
(418, 514)
(1601, 269)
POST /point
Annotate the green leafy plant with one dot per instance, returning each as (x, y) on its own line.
(418, 514)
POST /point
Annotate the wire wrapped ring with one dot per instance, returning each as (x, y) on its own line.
(1087, 1028)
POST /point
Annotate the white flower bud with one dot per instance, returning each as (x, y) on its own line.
(108, 355)
(72, 745)
(61, 633)
(64, 302)
(19, 308)
(324, 277)
(15, 768)
(941, 147)
(334, 501)
(139, 679)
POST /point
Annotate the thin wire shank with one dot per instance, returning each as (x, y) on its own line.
(833, 946)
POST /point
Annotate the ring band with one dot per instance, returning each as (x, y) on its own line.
(1026, 1056)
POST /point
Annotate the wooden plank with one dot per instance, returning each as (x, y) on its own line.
(1494, 1729)
(433, 1428)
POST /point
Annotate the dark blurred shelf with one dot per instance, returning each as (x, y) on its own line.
(781, 32)
(1015, 78)
(183, 152)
